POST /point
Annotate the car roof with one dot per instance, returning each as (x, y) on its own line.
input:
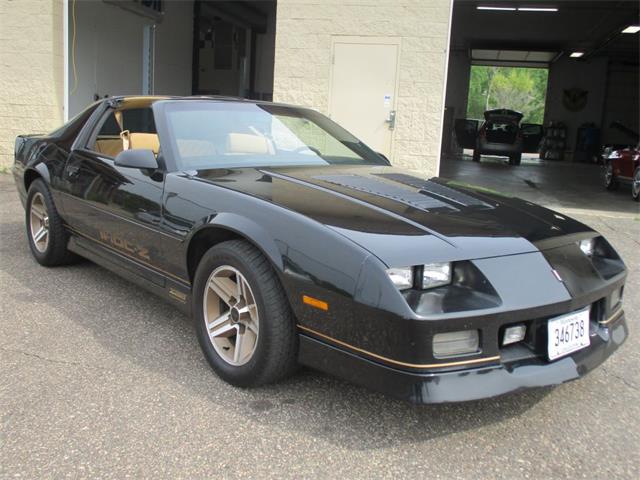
(145, 101)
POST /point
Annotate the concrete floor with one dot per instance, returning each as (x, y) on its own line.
(98, 379)
(574, 188)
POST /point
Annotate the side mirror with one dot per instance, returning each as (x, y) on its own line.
(138, 158)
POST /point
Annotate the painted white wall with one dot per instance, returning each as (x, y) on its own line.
(567, 73)
(174, 46)
(108, 51)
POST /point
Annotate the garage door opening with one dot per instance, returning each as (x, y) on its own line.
(234, 45)
(494, 87)
(570, 67)
(186, 47)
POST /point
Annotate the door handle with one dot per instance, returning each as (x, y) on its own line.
(391, 121)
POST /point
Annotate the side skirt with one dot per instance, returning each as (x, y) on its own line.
(169, 290)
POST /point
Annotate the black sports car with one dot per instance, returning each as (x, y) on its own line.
(291, 242)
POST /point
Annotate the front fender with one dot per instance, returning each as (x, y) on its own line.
(246, 228)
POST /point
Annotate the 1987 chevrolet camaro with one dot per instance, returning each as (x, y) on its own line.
(291, 242)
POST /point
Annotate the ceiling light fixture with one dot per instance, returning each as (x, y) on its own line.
(576, 54)
(501, 9)
(632, 29)
(537, 9)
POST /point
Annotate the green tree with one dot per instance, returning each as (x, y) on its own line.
(516, 88)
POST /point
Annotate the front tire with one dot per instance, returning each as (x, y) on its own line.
(476, 156)
(244, 324)
(45, 230)
(635, 185)
(515, 159)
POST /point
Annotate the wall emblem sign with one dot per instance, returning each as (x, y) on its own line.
(574, 99)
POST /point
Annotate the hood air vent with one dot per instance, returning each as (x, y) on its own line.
(387, 190)
(429, 187)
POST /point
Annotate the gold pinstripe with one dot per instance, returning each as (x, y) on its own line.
(397, 362)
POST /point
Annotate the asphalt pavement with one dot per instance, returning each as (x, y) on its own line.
(99, 379)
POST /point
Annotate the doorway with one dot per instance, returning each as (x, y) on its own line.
(364, 80)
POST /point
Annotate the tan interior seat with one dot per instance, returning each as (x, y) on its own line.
(110, 146)
(140, 141)
(247, 144)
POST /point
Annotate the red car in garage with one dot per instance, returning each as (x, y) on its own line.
(623, 166)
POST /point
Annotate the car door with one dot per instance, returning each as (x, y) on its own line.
(532, 134)
(117, 210)
(466, 131)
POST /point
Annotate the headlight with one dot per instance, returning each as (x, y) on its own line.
(587, 246)
(402, 278)
(436, 275)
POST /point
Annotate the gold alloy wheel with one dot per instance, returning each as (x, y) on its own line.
(39, 223)
(231, 315)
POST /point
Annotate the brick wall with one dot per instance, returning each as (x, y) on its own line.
(31, 70)
(303, 62)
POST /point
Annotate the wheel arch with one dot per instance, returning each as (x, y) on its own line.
(33, 173)
(229, 226)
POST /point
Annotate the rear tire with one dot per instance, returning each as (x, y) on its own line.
(515, 159)
(610, 182)
(476, 156)
(635, 185)
(244, 323)
(46, 234)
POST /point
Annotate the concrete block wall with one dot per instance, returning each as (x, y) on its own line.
(303, 62)
(31, 70)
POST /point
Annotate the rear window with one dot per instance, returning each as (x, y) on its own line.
(502, 127)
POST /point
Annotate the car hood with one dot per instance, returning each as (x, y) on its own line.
(438, 219)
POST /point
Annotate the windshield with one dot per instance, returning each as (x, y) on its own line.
(214, 134)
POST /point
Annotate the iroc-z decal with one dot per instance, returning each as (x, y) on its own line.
(124, 245)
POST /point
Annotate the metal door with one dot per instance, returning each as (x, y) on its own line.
(363, 88)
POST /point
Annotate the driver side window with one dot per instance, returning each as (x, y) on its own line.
(126, 129)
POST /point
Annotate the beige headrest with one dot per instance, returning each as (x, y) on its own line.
(140, 141)
(243, 143)
(195, 148)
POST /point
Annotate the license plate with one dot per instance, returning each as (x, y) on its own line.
(568, 333)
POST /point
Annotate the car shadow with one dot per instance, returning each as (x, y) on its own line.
(135, 326)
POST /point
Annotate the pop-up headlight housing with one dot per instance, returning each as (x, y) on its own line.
(436, 275)
(587, 246)
(402, 277)
(427, 276)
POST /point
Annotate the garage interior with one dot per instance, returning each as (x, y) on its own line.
(202, 47)
(592, 81)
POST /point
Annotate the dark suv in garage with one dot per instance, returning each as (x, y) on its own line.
(500, 134)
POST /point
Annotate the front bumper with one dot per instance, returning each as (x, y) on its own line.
(510, 374)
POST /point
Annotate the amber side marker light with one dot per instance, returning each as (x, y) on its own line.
(314, 302)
